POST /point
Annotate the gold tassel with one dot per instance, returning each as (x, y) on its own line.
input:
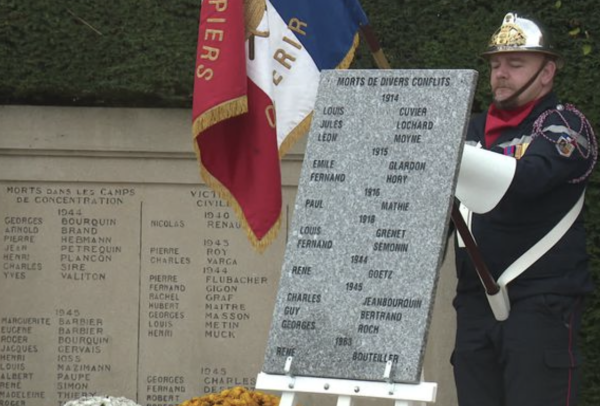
(350, 55)
(294, 135)
(304, 126)
(216, 114)
(259, 245)
(234, 108)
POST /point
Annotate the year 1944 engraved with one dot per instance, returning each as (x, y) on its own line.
(359, 259)
(69, 212)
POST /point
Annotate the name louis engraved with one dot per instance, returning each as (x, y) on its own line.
(358, 280)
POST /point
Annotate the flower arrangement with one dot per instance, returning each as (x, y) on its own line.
(237, 396)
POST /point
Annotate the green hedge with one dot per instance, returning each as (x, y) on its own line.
(451, 34)
(114, 53)
(142, 53)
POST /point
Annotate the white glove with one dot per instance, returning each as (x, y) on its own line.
(484, 178)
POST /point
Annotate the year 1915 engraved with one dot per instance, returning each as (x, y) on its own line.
(380, 151)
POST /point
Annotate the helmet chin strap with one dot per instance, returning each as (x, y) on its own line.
(511, 102)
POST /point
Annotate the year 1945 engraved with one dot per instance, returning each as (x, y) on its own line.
(354, 286)
(67, 312)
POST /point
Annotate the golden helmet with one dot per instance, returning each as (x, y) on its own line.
(517, 34)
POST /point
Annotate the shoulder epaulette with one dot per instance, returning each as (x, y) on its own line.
(571, 131)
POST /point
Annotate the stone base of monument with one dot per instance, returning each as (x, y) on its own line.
(346, 389)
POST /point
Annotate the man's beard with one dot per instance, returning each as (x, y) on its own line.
(507, 104)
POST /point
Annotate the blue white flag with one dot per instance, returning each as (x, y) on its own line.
(250, 108)
(293, 43)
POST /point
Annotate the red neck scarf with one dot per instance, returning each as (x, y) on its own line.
(499, 120)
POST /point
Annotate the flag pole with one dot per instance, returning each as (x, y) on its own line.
(487, 280)
(490, 285)
(374, 46)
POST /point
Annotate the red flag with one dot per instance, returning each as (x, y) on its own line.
(254, 55)
(234, 124)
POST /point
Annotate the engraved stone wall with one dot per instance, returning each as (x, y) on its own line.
(113, 258)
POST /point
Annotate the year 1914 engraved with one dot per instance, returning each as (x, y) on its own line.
(390, 97)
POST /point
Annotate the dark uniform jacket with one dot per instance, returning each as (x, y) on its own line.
(551, 174)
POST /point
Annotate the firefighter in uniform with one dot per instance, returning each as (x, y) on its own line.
(546, 151)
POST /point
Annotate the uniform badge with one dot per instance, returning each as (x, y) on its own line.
(521, 148)
(510, 150)
(564, 145)
(516, 151)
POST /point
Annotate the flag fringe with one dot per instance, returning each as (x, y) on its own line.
(345, 63)
(235, 107)
(294, 135)
(218, 113)
(304, 126)
(259, 245)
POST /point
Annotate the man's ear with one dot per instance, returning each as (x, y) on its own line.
(548, 73)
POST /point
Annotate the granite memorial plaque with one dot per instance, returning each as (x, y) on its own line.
(370, 222)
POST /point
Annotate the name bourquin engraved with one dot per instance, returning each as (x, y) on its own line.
(101, 286)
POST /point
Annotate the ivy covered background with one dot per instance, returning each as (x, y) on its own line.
(141, 53)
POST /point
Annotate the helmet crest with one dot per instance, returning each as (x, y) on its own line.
(517, 34)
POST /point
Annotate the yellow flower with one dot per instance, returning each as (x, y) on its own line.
(237, 396)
